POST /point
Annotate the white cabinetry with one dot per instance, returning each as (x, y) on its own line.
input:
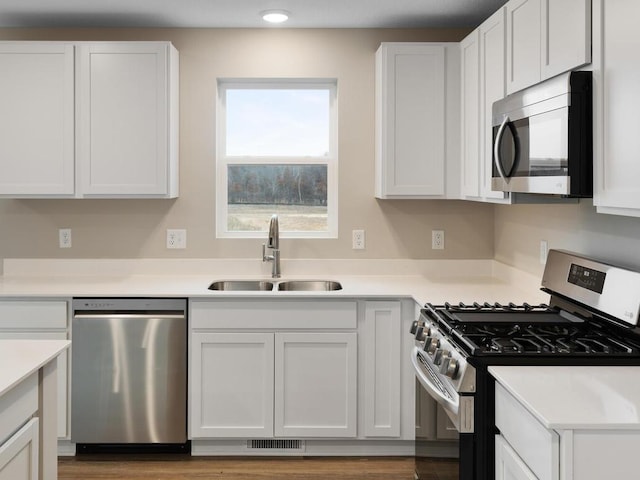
(41, 319)
(234, 374)
(19, 431)
(545, 38)
(470, 102)
(36, 118)
(527, 450)
(96, 119)
(296, 383)
(524, 43)
(381, 340)
(483, 83)
(616, 80)
(509, 466)
(19, 454)
(417, 120)
(128, 109)
(316, 384)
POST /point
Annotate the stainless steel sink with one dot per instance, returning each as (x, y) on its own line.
(242, 285)
(309, 285)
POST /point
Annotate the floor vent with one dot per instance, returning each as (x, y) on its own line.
(289, 445)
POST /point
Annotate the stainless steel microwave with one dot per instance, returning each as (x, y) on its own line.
(543, 138)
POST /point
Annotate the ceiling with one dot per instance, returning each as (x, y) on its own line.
(245, 13)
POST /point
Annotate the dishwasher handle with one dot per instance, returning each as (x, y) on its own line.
(144, 316)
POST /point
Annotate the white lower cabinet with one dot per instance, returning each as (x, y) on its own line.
(19, 454)
(527, 450)
(316, 384)
(509, 466)
(241, 379)
(36, 320)
(232, 384)
(272, 380)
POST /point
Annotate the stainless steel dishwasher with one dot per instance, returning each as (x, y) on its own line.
(129, 374)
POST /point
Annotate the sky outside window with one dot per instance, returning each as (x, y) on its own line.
(278, 122)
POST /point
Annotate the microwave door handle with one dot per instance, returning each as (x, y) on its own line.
(496, 148)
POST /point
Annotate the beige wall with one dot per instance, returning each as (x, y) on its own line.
(136, 228)
(578, 228)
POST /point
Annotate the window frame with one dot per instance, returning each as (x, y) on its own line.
(223, 161)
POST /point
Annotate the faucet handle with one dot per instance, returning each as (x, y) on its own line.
(264, 253)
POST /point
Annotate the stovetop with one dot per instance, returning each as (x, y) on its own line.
(537, 330)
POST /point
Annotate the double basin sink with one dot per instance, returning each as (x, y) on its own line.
(283, 286)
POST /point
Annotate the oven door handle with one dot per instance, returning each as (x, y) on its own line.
(451, 405)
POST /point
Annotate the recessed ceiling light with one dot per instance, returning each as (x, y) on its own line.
(275, 16)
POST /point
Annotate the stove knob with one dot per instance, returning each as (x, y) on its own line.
(427, 342)
(444, 366)
(433, 345)
(440, 355)
(414, 327)
(420, 335)
(452, 368)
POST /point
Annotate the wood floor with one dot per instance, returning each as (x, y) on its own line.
(183, 467)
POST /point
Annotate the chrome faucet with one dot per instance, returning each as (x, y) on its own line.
(273, 243)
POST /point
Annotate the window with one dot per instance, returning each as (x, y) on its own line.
(277, 153)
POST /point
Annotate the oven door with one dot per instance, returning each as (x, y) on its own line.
(459, 408)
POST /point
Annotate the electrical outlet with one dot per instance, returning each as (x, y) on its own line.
(357, 238)
(544, 250)
(64, 238)
(176, 238)
(437, 239)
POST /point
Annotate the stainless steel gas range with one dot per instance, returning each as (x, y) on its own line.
(591, 319)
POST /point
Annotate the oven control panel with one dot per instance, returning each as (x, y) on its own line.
(440, 353)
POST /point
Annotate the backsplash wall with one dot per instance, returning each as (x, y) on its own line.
(578, 228)
(137, 228)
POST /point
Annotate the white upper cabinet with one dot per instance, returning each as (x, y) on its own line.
(566, 35)
(492, 34)
(524, 43)
(96, 119)
(470, 102)
(36, 119)
(483, 82)
(127, 144)
(545, 38)
(417, 120)
(616, 80)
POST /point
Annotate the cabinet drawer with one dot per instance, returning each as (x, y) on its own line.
(277, 314)
(17, 406)
(18, 314)
(537, 446)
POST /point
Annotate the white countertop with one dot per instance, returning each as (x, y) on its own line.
(576, 398)
(425, 281)
(21, 358)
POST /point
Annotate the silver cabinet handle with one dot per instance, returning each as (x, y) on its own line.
(496, 148)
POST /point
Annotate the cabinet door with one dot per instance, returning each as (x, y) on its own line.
(124, 121)
(410, 120)
(524, 23)
(382, 366)
(470, 54)
(509, 466)
(617, 186)
(566, 35)
(231, 385)
(62, 377)
(19, 454)
(37, 119)
(492, 89)
(315, 384)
